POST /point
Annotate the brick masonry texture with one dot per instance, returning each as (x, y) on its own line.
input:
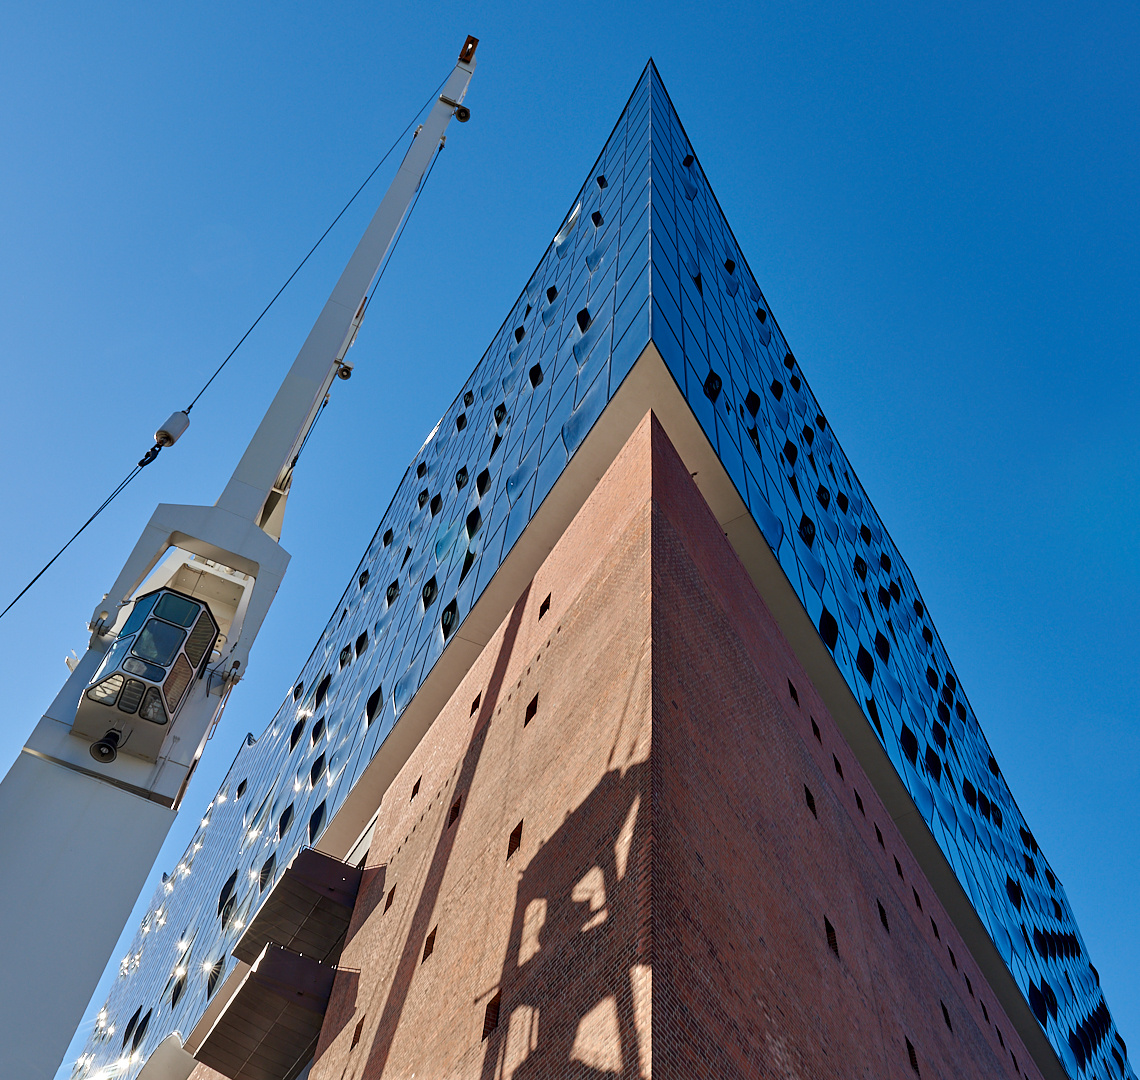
(665, 909)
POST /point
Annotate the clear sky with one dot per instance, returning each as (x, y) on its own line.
(940, 202)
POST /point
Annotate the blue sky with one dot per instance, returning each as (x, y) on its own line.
(941, 206)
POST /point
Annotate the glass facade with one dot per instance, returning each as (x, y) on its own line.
(644, 253)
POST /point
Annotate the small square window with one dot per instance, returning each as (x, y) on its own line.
(531, 710)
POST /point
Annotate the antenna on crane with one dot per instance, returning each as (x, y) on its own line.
(91, 797)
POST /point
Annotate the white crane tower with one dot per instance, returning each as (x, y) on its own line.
(92, 795)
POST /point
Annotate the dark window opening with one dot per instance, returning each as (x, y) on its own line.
(860, 567)
(514, 841)
(428, 593)
(752, 403)
(909, 744)
(453, 813)
(597, 219)
(884, 599)
(917, 898)
(475, 703)
(934, 927)
(373, 704)
(429, 944)
(838, 766)
(809, 798)
(131, 1025)
(298, 690)
(461, 479)
(859, 803)
(176, 991)
(882, 646)
(790, 451)
(387, 537)
(422, 498)
(436, 504)
(815, 731)
(469, 399)
(531, 710)
(953, 958)
(415, 789)
(460, 421)
(789, 361)
(520, 333)
(266, 875)
(939, 734)
(392, 592)
(995, 814)
(345, 655)
(362, 580)
(322, 690)
(361, 643)
(295, 737)
(1000, 1039)
(913, 1057)
(474, 520)
(792, 691)
(994, 766)
(712, 386)
(317, 771)
(500, 413)
(794, 380)
(535, 375)
(285, 821)
(927, 636)
(544, 607)
(551, 295)
(213, 977)
(883, 916)
(240, 790)
(390, 897)
(491, 1016)
(879, 837)
(865, 664)
(356, 1033)
(777, 389)
(226, 896)
(896, 592)
(865, 533)
(449, 619)
(832, 941)
(316, 822)
(482, 482)
(898, 868)
(421, 469)
(468, 562)
(933, 764)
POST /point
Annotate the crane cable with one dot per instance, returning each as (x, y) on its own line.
(153, 452)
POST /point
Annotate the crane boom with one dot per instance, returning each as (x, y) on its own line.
(260, 483)
(92, 795)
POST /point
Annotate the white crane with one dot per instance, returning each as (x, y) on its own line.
(92, 795)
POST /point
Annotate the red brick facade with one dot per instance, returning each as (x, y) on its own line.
(673, 904)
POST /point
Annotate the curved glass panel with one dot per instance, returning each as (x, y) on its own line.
(201, 639)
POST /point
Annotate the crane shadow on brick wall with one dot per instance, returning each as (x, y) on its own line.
(574, 994)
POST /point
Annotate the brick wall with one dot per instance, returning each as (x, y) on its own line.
(666, 903)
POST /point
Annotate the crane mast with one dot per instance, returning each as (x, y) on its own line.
(90, 799)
